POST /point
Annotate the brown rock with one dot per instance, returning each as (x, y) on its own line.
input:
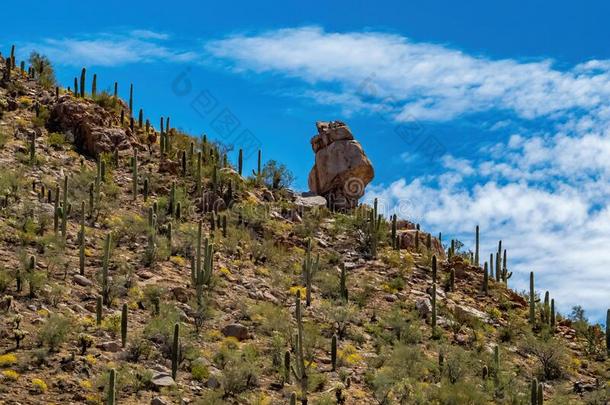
(236, 330)
(407, 237)
(342, 170)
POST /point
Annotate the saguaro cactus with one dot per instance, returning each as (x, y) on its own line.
(299, 370)
(81, 255)
(175, 350)
(83, 74)
(534, 392)
(105, 264)
(433, 318)
(94, 86)
(240, 162)
(434, 270)
(112, 388)
(476, 247)
(309, 268)
(608, 332)
(532, 317)
(65, 208)
(98, 310)
(124, 325)
(333, 352)
(134, 167)
(485, 279)
(131, 99)
(343, 283)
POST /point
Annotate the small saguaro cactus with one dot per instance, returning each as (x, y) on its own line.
(198, 179)
(434, 269)
(534, 392)
(65, 209)
(485, 279)
(98, 310)
(76, 93)
(373, 229)
(476, 247)
(83, 74)
(491, 265)
(131, 99)
(176, 350)
(552, 321)
(140, 118)
(94, 86)
(433, 317)
(333, 352)
(105, 264)
(309, 268)
(134, 176)
(33, 148)
(299, 370)
(124, 325)
(394, 233)
(287, 367)
(608, 332)
(532, 300)
(240, 162)
(452, 280)
(111, 398)
(81, 239)
(146, 187)
(343, 283)
(115, 95)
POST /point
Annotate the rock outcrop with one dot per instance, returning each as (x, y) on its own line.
(94, 129)
(342, 170)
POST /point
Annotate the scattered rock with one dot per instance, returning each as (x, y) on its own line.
(423, 306)
(236, 330)
(342, 170)
(307, 200)
(162, 379)
(158, 401)
(82, 280)
(111, 346)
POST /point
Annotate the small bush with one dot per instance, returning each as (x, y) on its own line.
(10, 375)
(7, 359)
(39, 386)
(55, 331)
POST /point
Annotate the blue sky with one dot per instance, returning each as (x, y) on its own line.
(475, 112)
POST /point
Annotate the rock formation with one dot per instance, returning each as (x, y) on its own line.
(94, 129)
(342, 170)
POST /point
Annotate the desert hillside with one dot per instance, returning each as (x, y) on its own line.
(140, 264)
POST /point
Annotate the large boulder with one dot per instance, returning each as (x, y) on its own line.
(342, 170)
(94, 128)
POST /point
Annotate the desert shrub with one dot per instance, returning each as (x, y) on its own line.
(44, 70)
(161, 328)
(199, 370)
(55, 331)
(340, 315)
(277, 176)
(272, 318)
(550, 353)
(6, 279)
(56, 140)
(240, 370)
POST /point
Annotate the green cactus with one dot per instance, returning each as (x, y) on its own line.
(98, 310)
(485, 279)
(81, 256)
(497, 364)
(111, 399)
(333, 352)
(33, 148)
(428, 241)
(176, 350)
(498, 267)
(240, 162)
(293, 398)
(65, 209)
(83, 74)
(452, 280)
(532, 301)
(476, 247)
(608, 332)
(105, 264)
(141, 119)
(31, 269)
(171, 208)
(115, 96)
(552, 321)
(287, 367)
(534, 392)
(343, 284)
(374, 225)
(433, 318)
(203, 264)
(134, 176)
(224, 226)
(394, 233)
(131, 99)
(546, 309)
(299, 371)
(309, 268)
(124, 325)
(434, 269)
(94, 86)
(198, 179)
(145, 191)
(491, 265)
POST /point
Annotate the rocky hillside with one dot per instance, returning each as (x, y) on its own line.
(139, 265)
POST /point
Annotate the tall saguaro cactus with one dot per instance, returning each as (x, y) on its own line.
(532, 317)
(111, 398)
(299, 370)
(105, 264)
(81, 253)
(83, 75)
(476, 247)
(175, 350)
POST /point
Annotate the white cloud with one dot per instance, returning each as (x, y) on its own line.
(110, 49)
(544, 191)
(422, 80)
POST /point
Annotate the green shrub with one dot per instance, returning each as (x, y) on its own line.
(55, 331)
(56, 140)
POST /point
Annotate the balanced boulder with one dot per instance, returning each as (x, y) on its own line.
(342, 170)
